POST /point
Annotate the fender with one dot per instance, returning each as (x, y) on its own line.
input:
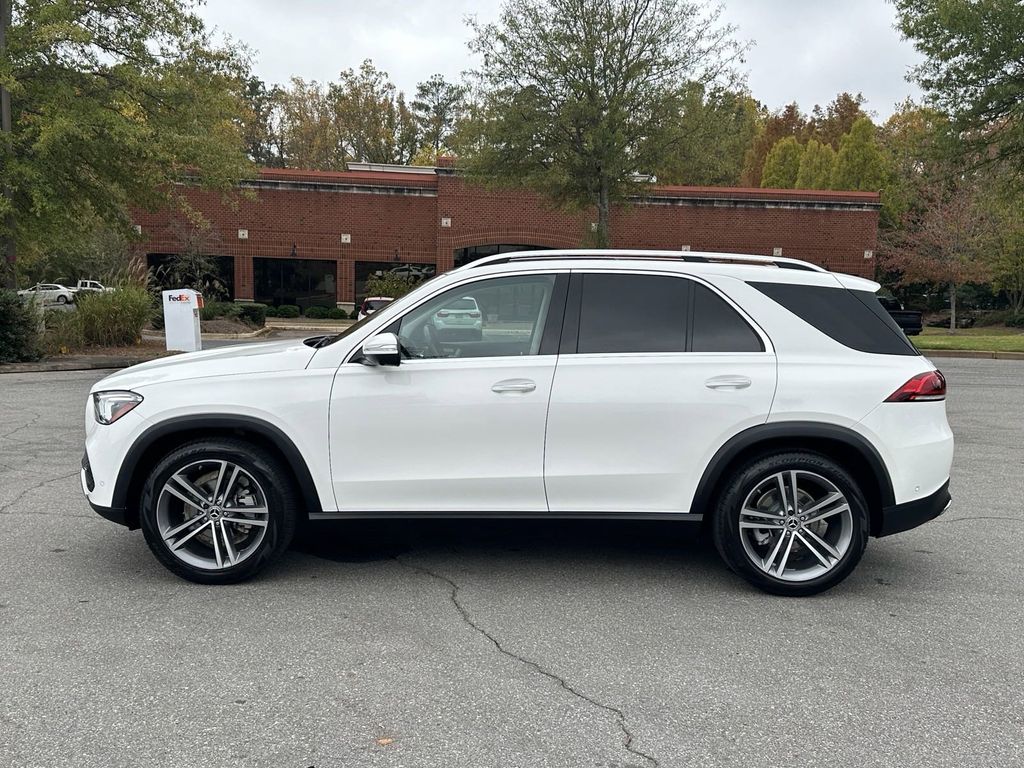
(127, 481)
(792, 432)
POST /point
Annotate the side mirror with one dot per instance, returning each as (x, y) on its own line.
(382, 349)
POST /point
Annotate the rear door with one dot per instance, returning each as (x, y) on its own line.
(656, 371)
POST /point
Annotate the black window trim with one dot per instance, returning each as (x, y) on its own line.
(574, 303)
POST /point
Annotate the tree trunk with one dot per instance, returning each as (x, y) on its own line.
(952, 307)
(602, 238)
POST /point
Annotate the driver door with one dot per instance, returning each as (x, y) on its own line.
(458, 425)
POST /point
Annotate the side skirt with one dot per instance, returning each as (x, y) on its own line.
(683, 516)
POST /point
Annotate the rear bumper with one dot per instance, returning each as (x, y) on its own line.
(903, 517)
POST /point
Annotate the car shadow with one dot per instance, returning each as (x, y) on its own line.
(359, 541)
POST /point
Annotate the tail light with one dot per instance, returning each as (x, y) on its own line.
(474, 314)
(923, 387)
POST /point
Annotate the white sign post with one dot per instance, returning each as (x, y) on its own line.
(181, 319)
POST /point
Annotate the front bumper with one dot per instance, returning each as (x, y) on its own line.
(903, 517)
(114, 514)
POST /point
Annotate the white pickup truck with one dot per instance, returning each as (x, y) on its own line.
(90, 286)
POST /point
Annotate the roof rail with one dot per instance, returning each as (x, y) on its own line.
(626, 255)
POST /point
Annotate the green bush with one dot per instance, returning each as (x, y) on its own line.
(215, 309)
(1015, 321)
(63, 332)
(253, 314)
(116, 318)
(336, 313)
(287, 310)
(19, 328)
(354, 314)
(272, 311)
(316, 313)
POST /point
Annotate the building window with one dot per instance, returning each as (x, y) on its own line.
(218, 283)
(474, 252)
(302, 282)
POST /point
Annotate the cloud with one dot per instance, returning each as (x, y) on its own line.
(807, 50)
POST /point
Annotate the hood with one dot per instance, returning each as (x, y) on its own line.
(260, 357)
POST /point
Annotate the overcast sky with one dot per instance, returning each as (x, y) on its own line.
(806, 50)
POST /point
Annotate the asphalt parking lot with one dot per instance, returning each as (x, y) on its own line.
(508, 643)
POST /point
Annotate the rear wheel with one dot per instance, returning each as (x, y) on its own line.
(792, 524)
(218, 511)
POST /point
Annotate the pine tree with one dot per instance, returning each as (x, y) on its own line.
(782, 164)
(816, 166)
(860, 164)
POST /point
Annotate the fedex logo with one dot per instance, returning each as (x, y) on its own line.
(179, 297)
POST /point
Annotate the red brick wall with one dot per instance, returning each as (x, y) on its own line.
(397, 217)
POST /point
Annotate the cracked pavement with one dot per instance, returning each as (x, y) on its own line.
(507, 643)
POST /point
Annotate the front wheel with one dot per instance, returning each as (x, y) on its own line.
(218, 511)
(792, 524)
(62, 299)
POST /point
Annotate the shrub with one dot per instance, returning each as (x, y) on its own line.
(336, 313)
(63, 332)
(19, 328)
(214, 309)
(116, 318)
(253, 314)
(272, 311)
(1015, 321)
(287, 310)
(316, 313)
(354, 314)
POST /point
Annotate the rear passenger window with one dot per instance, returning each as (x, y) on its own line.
(717, 327)
(633, 313)
(853, 318)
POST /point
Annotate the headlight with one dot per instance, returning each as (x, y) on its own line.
(111, 406)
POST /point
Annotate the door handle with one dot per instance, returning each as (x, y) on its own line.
(727, 382)
(514, 385)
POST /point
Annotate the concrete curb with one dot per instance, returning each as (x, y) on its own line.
(98, 363)
(972, 354)
(306, 327)
(158, 336)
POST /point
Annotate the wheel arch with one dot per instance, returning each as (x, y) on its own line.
(852, 450)
(161, 438)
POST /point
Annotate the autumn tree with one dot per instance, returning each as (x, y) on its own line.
(714, 127)
(371, 117)
(782, 165)
(829, 124)
(310, 136)
(773, 127)
(816, 164)
(262, 123)
(576, 98)
(113, 102)
(437, 108)
(942, 239)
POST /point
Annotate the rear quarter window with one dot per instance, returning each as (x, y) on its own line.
(853, 318)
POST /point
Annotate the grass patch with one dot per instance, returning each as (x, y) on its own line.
(980, 339)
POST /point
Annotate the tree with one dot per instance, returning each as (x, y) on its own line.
(112, 102)
(816, 166)
(715, 126)
(372, 118)
(942, 239)
(577, 98)
(389, 284)
(788, 122)
(437, 107)
(193, 266)
(830, 124)
(782, 165)
(309, 133)
(860, 164)
(1004, 257)
(972, 70)
(261, 123)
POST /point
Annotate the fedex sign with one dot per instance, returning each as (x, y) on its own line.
(181, 319)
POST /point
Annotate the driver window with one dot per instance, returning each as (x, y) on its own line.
(500, 317)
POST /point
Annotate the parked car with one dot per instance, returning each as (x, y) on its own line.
(371, 304)
(460, 318)
(769, 400)
(91, 286)
(908, 320)
(49, 293)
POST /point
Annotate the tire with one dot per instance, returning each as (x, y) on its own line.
(262, 482)
(799, 544)
(62, 299)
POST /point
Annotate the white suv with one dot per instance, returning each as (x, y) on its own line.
(773, 401)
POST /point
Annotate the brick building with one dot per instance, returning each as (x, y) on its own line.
(313, 237)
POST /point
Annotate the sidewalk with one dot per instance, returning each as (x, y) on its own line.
(307, 324)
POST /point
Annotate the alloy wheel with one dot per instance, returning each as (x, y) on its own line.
(212, 514)
(795, 525)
